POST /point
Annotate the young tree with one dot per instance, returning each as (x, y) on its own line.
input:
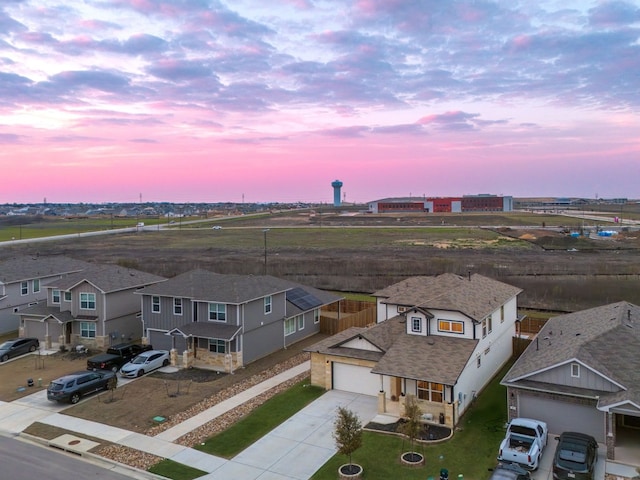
(347, 433)
(412, 412)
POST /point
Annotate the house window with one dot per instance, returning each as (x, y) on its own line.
(402, 309)
(416, 324)
(24, 288)
(217, 346)
(67, 296)
(316, 315)
(433, 392)
(155, 304)
(177, 306)
(36, 285)
(502, 314)
(300, 322)
(487, 326)
(88, 301)
(87, 330)
(267, 304)
(55, 296)
(487, 350)
(218, 312)
(290, 326)
(450, 326)
(478, 361)
(575, 370)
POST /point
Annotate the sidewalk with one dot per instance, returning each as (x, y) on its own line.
(308, 434)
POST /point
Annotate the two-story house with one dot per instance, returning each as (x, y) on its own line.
(23, 280)
(439, 338)
(95, 307)
(227, 321)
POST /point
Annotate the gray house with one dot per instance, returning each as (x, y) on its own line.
(582, 373)
(95, 307)
(227, 321)
(23, 280)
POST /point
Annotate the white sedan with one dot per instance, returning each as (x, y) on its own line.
(145, 363)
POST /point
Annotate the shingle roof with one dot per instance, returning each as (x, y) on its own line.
(431, 358)
(203, 285)
(43, 311)
(27, 267)
(107, 278)
(476, 296)
(605, 338)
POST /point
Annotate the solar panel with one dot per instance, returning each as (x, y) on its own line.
(302, 299)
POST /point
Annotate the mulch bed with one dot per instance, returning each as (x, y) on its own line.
(429, 433)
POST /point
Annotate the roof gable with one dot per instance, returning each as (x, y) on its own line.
(589, 337)
(476, 296)
(107, 279)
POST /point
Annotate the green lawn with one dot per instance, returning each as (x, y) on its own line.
(471, 451)
(176, 471)
(262, 420)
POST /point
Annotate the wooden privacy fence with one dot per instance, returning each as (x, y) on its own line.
(532, 324)
(345, 314)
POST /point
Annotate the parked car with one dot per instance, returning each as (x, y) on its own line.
(18, 346)
(575, 457)
(116, 356)
(145, 363)
(216, 227)
(509, 471)
(71, 388)
(524, 442)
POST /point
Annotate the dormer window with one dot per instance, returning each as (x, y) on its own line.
(450, 326)
(575, 370)
(416, 324)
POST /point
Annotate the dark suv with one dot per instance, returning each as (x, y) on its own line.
(575, 457)
(17, 347)
(509, 471)
(71, 388)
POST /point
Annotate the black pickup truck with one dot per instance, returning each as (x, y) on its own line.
(116, 356)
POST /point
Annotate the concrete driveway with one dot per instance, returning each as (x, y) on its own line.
(300, 446)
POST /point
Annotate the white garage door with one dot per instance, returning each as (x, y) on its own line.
(564, 416)
(354, 378)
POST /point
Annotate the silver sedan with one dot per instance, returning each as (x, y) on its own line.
(145, 363)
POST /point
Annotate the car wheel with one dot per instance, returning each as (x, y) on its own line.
(140, 373)
(32, 348)
(5, 358)
(75, 397)
(166, 362)
(114, 369)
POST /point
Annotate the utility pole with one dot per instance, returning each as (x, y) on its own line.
(265, 249)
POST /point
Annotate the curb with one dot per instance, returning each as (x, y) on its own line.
(107, 463)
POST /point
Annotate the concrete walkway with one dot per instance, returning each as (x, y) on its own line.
(308, 434)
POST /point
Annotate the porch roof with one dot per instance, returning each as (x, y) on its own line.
(207, 330)
(433, 358)
(43, 311)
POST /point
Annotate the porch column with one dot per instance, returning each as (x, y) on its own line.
(611, 436)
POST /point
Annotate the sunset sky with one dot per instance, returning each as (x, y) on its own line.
(272, 100)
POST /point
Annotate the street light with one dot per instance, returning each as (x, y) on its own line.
(265, 249)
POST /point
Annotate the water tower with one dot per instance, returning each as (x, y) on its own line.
(337, 185)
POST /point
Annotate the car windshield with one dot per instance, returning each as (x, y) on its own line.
(6, 345)
(139, 359)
